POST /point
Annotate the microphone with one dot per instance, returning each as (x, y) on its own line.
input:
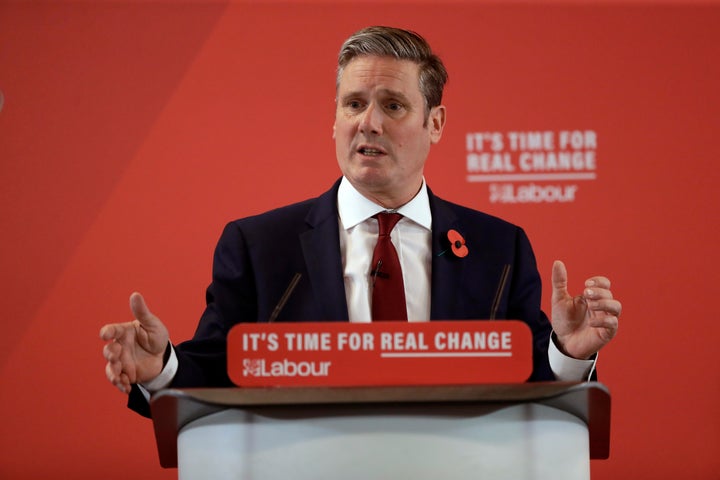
(283, 300)
(377, 273)
(500, 291)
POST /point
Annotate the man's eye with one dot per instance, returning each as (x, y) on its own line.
(394, 107)
(354, 104)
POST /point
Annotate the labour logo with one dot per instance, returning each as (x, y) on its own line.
(252, 367)
(532, 167)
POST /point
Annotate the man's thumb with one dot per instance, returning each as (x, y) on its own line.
(559, 280)
(140, 310)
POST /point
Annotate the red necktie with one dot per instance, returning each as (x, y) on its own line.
(388, 291)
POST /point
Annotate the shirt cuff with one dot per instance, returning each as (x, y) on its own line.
(166, 375)
(568, 369)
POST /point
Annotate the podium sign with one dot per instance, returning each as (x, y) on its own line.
(379, 353)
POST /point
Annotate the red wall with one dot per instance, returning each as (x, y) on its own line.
(131, 131)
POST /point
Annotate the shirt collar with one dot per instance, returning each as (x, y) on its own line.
(354, 208)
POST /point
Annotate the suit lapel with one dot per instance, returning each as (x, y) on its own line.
(447, 270)
(321, 249)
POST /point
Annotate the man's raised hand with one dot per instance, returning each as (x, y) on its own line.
(134, 350)
(585, 323)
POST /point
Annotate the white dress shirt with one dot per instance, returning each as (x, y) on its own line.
(411, 238)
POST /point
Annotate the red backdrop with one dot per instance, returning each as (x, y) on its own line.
(131, 131)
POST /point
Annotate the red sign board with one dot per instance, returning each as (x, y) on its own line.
(379, 353)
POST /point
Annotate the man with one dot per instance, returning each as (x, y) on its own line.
(388, 114)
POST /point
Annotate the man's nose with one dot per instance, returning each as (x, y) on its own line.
(371, 120)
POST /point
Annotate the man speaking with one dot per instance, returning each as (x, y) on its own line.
(379, 245)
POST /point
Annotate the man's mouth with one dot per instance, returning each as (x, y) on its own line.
(370, 152)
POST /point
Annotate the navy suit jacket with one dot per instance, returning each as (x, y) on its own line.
(257, 257)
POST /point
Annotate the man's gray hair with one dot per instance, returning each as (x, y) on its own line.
(402, 45)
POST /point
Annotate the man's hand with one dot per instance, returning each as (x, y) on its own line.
(134, 351)
(587, 322)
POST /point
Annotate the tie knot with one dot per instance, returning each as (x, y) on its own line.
(387, 221)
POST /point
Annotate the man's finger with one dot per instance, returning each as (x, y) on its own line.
(601, 282)
(107, 332)
(109, 352)
(113, 371)
(140, 310)
(115, 331)
(559, 280)
(608, 306)
(124, 384)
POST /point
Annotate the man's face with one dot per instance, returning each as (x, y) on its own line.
(381, 136)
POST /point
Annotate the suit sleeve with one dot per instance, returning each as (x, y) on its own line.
(524, 303)
(230, 298)
(202, 360)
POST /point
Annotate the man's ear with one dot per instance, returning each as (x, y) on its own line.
(436, 123)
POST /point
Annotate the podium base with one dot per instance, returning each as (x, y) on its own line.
(524, 441)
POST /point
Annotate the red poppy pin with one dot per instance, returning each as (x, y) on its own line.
(457, 244)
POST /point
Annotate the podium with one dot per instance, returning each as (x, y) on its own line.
(504, 431)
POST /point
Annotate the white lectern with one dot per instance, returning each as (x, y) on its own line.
(519, 431)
